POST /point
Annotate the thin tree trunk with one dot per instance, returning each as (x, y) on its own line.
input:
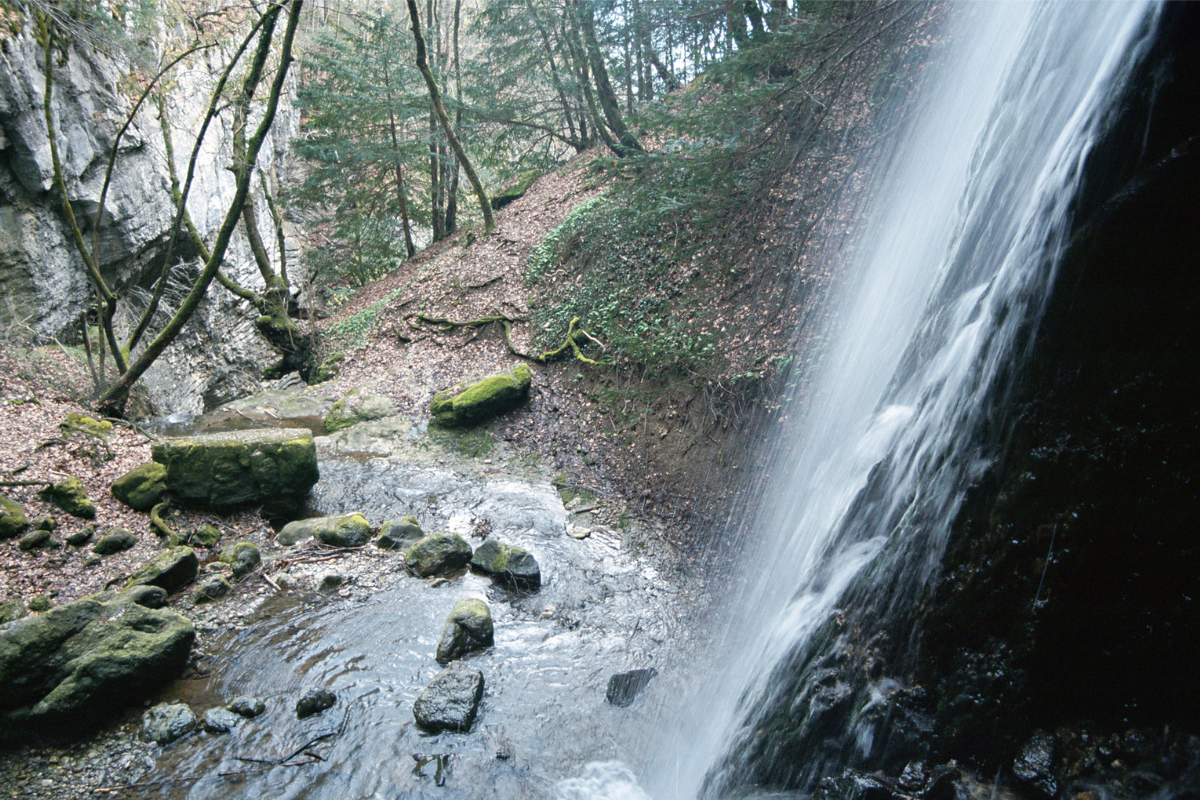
(628, 143)
(485, 206)
(113, 400)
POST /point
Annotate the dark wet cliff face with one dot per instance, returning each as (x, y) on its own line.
(1070, 595)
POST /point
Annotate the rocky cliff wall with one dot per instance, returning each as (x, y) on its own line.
(43, 286)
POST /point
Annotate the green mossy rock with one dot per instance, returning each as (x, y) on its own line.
(71, 497)
(516, 189)
(88, 426)
(242, 557)
(62, 671)
(346, 530)
(82, 536)
(212, 589)
(328, 369)
(469, 404)
(275, 467)
(141, 488)
(207, 536)
(34, 540)
(357, 406)
(115, 541)
(399, 534)
(438, 554)
(468, 628)
(12, 518)
(507, 564)
(171, 570)
(12, 610)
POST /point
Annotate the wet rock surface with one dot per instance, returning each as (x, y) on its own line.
(468, 628)
(438, 554)
(451, 700)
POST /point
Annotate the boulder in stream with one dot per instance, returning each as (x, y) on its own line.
(399, 534)
(314, 701)
(275, 467)
(471, 403)
(438, 554)
(63, 670)
(507, 564)
(142, 488)
(468, 628)
(451, 700)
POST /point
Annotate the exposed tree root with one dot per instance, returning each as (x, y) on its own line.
(446, 325)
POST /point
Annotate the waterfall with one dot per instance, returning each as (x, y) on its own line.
(952, 267)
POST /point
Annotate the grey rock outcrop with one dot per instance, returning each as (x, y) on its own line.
(63, 670)
(219, 354)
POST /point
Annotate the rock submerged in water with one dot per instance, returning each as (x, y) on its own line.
(451, 700)
(623, 688)
(64, 670)
(345, 530)
(314, 701)
(246, 706)
(220, 720)
(276, 467)
(438, 554)
(142, 487)
(507, 564)
(468, 628)
(472, 403)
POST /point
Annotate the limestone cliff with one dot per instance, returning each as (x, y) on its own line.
(43, 286)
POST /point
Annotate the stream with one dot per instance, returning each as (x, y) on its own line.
(601, 610)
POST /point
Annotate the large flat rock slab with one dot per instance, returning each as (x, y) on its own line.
(275, 467)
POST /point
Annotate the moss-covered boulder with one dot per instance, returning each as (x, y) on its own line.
(12, 518)
(516, 189)
(357, 406)
(399, 534)
(242, 557)
(36, 540)
(344, 530)
(507, 564)
(472, 403)
(12, 610)
(438, 554)
(206, 535)
(171, 569)
(142, 487)
(468, 628)
(83, 424)
(275, 467)
(115, 541)
(71, 497)
(64, 670)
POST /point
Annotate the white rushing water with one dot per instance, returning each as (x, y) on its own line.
(967, 222)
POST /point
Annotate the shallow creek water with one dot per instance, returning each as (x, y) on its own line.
(600, 611)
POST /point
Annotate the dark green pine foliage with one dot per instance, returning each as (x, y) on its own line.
(366, 140)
